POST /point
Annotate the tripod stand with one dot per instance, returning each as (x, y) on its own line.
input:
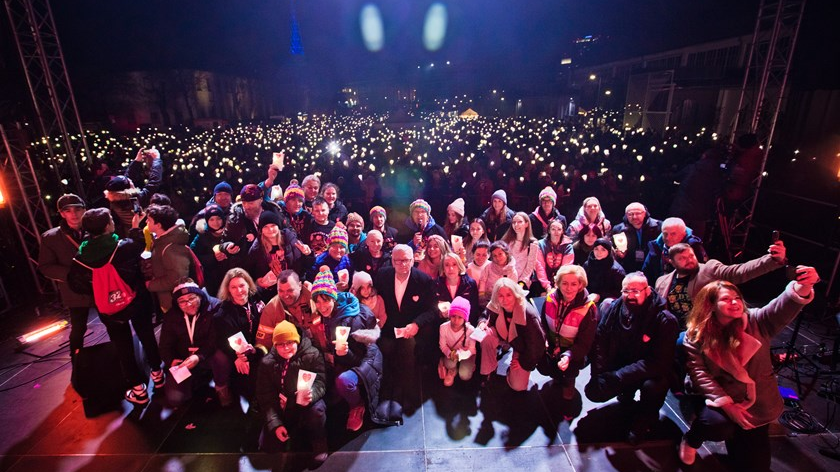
(790, 358)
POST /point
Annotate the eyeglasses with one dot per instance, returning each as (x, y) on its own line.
(633, 291)
(402, 261)
(635, 213)
(188, 301)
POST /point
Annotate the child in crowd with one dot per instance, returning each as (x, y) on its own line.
(363, 289)
(480, 259)
(457, 346)
(501, 266)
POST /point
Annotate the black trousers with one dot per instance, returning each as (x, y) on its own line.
(652, 393)
(398, 370)
(120, 334)
(78, 328)
(748, 448)
(304, 424)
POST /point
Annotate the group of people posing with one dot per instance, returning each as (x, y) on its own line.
(288, 299)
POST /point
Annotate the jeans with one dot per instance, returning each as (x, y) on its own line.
(347, 386)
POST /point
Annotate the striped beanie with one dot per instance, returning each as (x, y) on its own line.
(338, 235)
(377, 209)
(420, 203)
(324, 284)
(292, 191)
(186, 288)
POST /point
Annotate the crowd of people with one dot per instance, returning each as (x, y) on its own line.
(281, 293)
(438, 157)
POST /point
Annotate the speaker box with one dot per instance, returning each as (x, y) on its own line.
(98, 379)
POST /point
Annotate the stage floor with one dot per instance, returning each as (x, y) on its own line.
(44, 428)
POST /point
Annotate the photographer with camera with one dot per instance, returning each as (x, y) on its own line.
(124, 198)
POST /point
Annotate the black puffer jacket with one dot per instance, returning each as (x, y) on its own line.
(271, 382)
(363, 356)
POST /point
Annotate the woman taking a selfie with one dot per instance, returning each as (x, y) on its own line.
(728, 348)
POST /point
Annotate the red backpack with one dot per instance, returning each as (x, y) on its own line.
(110, 292)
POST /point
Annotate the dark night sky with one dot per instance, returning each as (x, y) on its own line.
(488, 41)
(484, 35)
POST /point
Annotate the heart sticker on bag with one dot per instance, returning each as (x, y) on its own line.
(415, 298)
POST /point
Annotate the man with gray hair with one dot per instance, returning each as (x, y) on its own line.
(634, 350)
(674, 231)
(411, 306)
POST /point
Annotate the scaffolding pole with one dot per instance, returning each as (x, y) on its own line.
(49, 85)
(762, 94)
(26, 205)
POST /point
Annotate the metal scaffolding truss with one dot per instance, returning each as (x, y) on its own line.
(49, 84)
(762, 94)
(29, 213)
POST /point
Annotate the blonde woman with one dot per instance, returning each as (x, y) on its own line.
(511, 322)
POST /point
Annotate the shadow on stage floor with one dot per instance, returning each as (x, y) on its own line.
(43, 427)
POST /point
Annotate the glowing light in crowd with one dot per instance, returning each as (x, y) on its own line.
(373, 32)
(434, 29)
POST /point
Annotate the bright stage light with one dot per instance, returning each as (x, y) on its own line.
(373, 33)
(434, 29)
(41, 333)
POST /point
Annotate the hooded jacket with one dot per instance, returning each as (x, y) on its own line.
(604, 277)
(175, 340)
(202, 245)
(171, 261)
(363, 356)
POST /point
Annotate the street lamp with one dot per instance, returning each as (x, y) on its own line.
(594, 77)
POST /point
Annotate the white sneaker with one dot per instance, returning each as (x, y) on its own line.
(138, 396)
